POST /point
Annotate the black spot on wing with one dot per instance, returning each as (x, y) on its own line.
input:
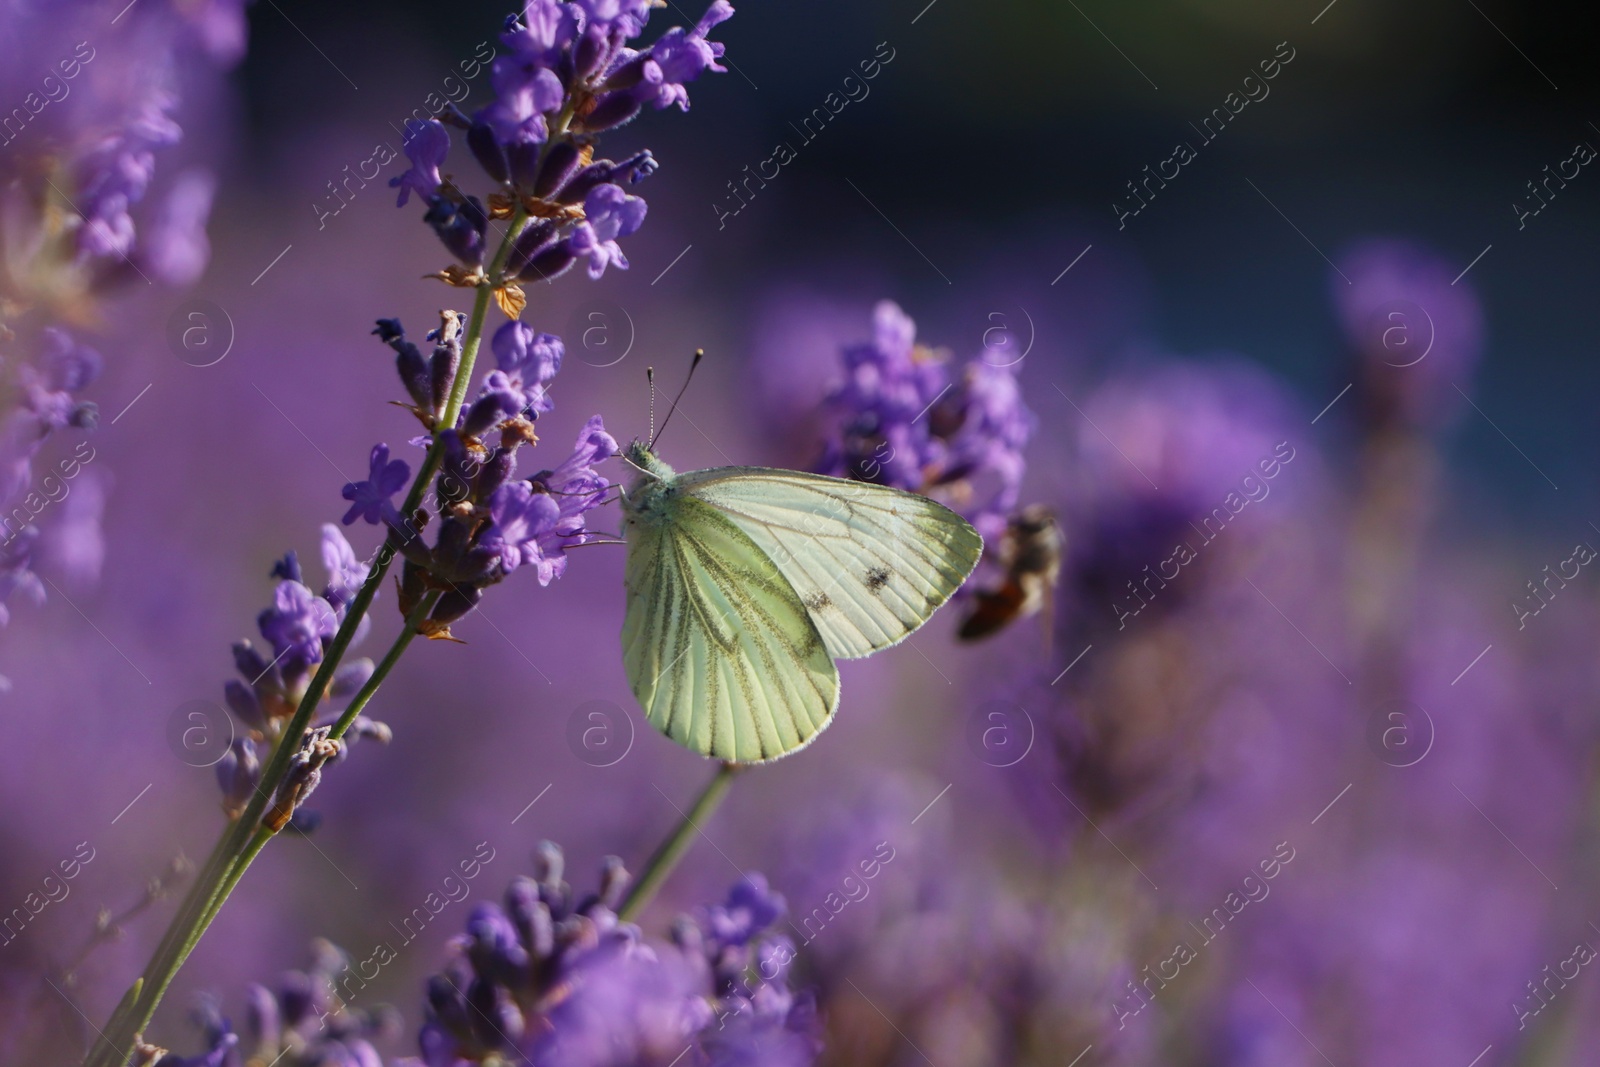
(876, 579)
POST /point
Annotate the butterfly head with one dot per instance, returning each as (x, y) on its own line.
(649, 496)
(648, 468)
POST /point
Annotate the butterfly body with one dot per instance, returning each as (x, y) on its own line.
(744, 584)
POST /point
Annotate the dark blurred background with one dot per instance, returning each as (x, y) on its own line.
(1001, 134)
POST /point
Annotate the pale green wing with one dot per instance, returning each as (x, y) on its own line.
(870, 563)
(721, 653)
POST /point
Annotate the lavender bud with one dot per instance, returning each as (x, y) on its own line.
(304, 822)
(499, 468)
(497, 1023)
(262, 1023)
(487, 151)
(628, 74)
(288, 568)
(456, 603)
(238, 773)
(635, 169)
(365, 729)
(522, 901)
(408, 362)
(591, 52)
(460, 227)
(445, 361)
(550, 263)
(524, 160)
(597, 173)
(548, 861)
(241, 700)
(612, 110)
(485, 414)
(296, 998)
(614, 879)
(534, 238)
(448, 1005)
(348, 679)
(560, 162)
(248, 661)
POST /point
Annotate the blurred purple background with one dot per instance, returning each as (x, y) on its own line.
(1337, 675)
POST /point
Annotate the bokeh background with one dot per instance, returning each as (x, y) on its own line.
(1179, 753)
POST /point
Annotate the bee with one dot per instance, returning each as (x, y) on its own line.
(1030, 559)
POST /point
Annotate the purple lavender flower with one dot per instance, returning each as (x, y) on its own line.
(681, 56)
(525, 89)
(46, 403)
(426, 145)
(555, 979)
(297, 622)
(1415, 330)
(567, 74)
(530, 361)
(99, 93)
(307, 1021)
(73, 544)
(176, 249)
(534, 522)
(578, 489)
(751, 907)
(904, 418)
(370, 499)
(238, 774)
(610, 214)
(16, 575)
(519, 520)
(1168, 458)
(346, 574)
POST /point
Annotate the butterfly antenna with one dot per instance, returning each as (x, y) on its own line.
(650, 376)
(699, 354)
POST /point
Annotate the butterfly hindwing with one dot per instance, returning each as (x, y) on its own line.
(870, 563)
(720, 650)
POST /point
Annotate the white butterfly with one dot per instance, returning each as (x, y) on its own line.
(746, 583)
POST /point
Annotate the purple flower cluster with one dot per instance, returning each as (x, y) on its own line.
(295, 630)
(1415, 326)
(47, 401)
(490, 521)
(1168, 459)
(90, 98)
(552, 978)
(906, 416)
(303, 1023)
(568, 74)
(98, 89)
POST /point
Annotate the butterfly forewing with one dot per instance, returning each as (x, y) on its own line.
(870, 563)
(720, 650)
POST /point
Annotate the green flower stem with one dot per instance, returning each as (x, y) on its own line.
(244, 838)
(385, 665)
(262, 834)
(673, 848)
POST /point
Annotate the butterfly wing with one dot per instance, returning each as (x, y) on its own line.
(721, 653)
(870, 563)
